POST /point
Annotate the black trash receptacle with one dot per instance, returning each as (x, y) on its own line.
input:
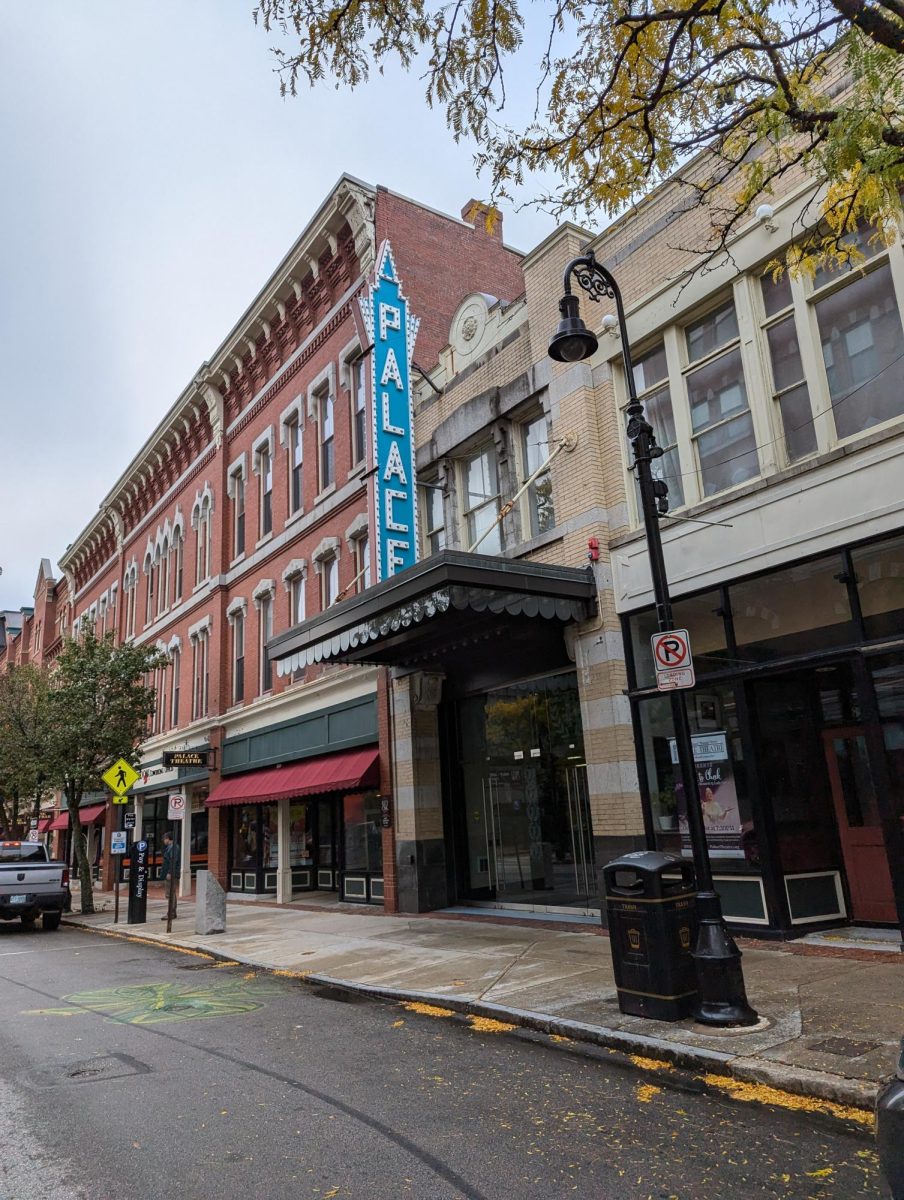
(651, 906)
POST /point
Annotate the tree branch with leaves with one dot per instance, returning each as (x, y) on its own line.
(725, 97)
(99, 705)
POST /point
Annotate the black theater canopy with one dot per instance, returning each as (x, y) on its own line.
(438, 608)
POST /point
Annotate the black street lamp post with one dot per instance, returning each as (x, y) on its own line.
(720, 979)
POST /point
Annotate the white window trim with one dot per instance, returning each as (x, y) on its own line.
(295, 409)
(265, 588)
(325, 381)
(297, 568)
(329, 547)
(203, 499)
(203, 626)
(264, 439)
(237, 468)
(358, 529)
(175, 643)
(347, 355)
(236, 607)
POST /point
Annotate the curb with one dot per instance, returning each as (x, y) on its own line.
(798, 1081)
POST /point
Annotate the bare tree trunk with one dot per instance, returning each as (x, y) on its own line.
(80, 845)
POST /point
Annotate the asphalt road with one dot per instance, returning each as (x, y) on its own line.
(126, 1070)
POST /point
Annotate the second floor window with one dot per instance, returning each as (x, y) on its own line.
(717, 395)
(362, 563)
(266, 633)
(789, 386)
(329, 581)
(326, 427)
(534, 452)
(651, 382)
(238, 658)
(359, 409)
(481, 500)
(265, 469)
(861, 337)
(149, 605)
(175, 667)
(433, 518)
(296, 600)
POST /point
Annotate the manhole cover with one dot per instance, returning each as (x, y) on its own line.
(844, 1047)
(70, 1072)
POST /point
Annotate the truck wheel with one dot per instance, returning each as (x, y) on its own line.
(28, 922)
(51, 920)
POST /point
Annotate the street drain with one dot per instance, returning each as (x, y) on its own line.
(72, 1072)
(343, 997)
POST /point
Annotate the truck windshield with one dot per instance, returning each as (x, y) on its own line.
(14, 852)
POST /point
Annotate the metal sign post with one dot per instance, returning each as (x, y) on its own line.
(176, 813)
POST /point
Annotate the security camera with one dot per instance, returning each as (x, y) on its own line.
(764, 215)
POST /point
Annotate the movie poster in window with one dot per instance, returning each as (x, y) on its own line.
(718, 795)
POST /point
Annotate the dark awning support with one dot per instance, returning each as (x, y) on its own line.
(451, 598)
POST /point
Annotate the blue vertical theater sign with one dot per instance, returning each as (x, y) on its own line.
(392, 332)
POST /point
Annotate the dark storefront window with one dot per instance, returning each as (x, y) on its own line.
(888, 680)
(363, 837)
(721, 775)
(702, 617)
(879, 570)
(254, 854)
(795, 611)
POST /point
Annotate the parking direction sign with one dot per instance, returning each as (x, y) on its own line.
(672, 659)
(118, 842)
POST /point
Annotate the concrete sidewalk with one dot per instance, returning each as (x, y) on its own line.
(831, 1019)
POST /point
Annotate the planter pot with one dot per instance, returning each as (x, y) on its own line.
(668, 824)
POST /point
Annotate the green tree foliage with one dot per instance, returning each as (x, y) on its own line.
(23, 729)
(98, 711)
(728, 97)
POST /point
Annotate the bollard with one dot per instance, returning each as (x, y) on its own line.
(890, 1133)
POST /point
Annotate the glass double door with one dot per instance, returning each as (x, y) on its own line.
(537, 845)
(529, 834)
(313, 845)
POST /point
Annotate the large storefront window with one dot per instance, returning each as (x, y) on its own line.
(879, 571)
(794, 611)
(721, 776)
(363, 837)
(526, 834)
(254, 853)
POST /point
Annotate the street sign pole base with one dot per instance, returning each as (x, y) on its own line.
(720, 979)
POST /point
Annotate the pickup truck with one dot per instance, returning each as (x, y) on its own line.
(32, 885)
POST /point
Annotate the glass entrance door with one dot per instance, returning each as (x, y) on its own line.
(528, 829)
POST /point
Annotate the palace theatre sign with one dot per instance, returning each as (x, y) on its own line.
(392, 332)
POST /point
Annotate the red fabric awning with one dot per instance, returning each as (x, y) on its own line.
(44, 824)
(332, 773)
(86, 815)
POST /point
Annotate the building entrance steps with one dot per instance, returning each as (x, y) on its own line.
(832, 1024)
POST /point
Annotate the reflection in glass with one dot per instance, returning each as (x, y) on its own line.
(792, 611)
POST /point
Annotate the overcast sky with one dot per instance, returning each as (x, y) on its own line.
(152, 179)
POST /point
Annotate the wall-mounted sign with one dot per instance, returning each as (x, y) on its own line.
(386, 812)
(392, 331)
(185, 758)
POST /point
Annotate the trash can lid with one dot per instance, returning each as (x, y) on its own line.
(647, 861)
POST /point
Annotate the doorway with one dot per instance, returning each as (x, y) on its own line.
(859, 825)
(528, 834)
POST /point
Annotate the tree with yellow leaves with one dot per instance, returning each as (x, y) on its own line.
(730, 98)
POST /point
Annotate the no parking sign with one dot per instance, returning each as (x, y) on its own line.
(672, 659)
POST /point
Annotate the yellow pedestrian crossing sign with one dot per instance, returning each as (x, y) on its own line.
(119, 778)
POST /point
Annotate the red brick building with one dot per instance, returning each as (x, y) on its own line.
(247, 510)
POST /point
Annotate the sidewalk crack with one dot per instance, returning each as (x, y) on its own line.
(502, 974)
